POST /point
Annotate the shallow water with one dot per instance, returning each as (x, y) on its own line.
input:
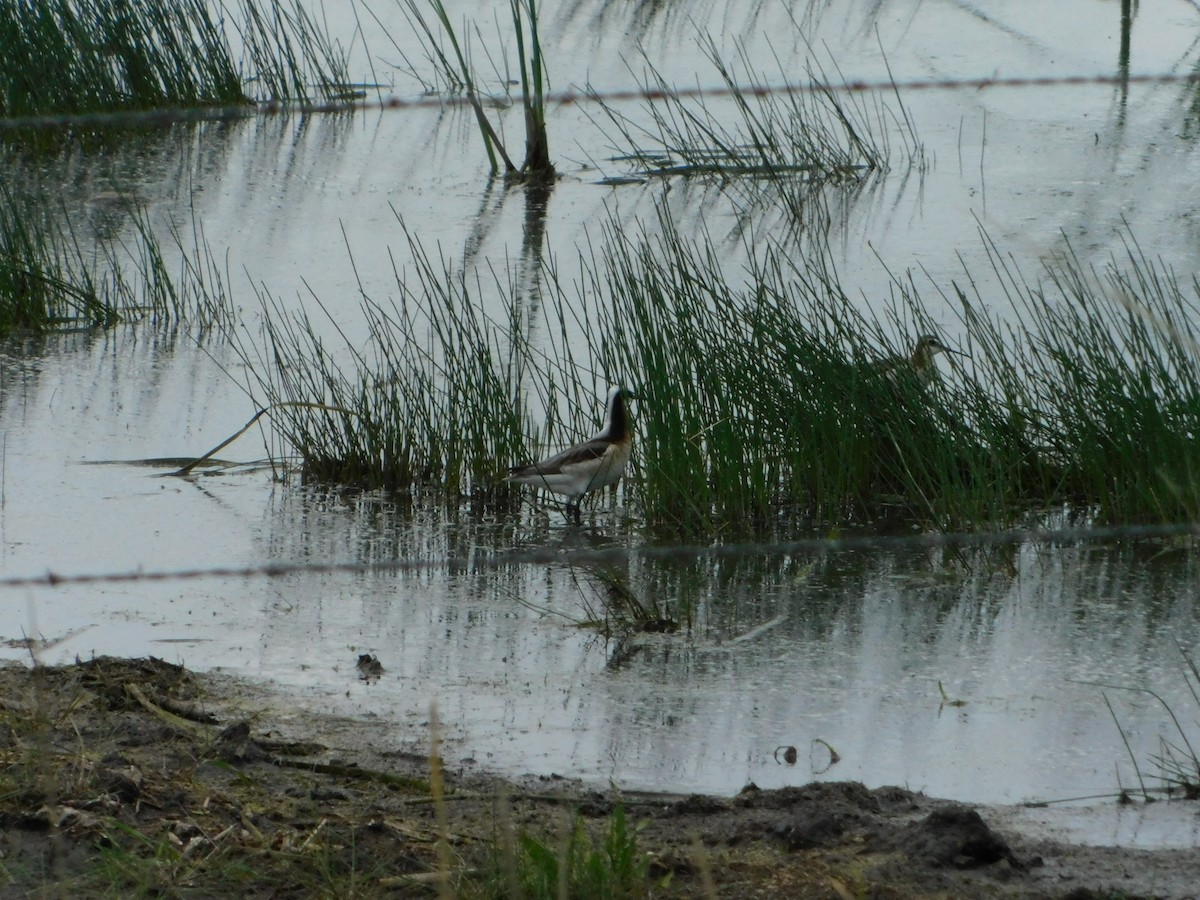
(813, 651)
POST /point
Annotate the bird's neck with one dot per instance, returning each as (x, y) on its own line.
(616, 422)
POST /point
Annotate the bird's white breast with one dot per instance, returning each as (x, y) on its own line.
(611, 466)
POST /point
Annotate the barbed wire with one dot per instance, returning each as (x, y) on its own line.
(573, 96)
(583, 556)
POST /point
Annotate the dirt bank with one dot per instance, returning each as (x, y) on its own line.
(137, 777)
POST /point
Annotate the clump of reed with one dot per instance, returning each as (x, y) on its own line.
(783, 145)
(815, 132)
(771, 399)
(288, 56)
(44, 282)
(765, 402)
(455, 70)
(52, 278)
(1110, 362)
(66, 57)
(573, 864)
(433, 402)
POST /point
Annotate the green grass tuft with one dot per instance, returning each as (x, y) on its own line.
(64, 57)
(798, 150)
(53, 278)
(454, 68)
(573, 864)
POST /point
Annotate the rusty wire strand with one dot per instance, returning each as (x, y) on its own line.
(687, 553)
(573, 96)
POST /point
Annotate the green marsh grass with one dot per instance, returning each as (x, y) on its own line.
(45, 279)
(763, 401)
(431, 402)
(574, 864)
(820, 134)
(82, 56)
(52, 277)
(71, 56)
(1104, 380)
(288, 56)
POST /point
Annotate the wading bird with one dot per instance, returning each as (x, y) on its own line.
(593, 464)
(920, 361)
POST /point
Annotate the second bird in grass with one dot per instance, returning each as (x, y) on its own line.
(920, 361)
(587, 466)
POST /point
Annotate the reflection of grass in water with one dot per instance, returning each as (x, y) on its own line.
(618, 609)
(79, 56)
(51, 278)
(761, 401)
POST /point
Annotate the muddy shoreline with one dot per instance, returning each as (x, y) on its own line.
(137, 777)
